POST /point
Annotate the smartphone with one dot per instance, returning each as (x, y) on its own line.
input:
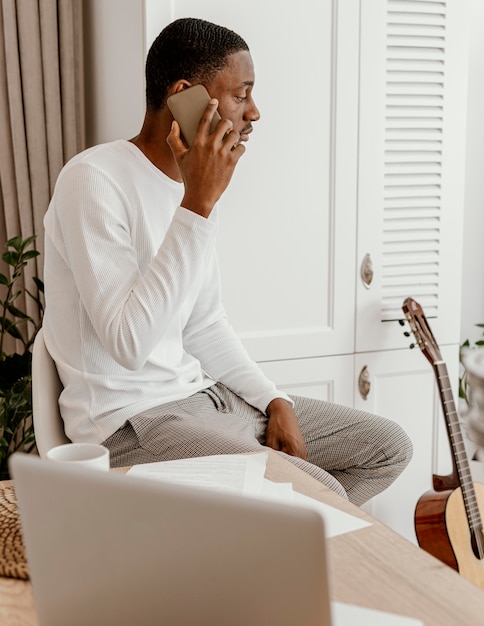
(187, 107)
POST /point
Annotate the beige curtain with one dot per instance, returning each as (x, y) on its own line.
(41, 111)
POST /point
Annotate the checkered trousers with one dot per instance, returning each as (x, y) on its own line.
(352, 452)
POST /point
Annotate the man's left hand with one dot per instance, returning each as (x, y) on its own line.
(283, 432)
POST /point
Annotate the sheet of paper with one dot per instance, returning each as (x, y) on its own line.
(242, 473)
(280, 492)
(350, 615)
(336, 522)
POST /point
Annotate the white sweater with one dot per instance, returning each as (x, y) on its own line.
(133, 314)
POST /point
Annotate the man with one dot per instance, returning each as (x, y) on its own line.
(149, 363)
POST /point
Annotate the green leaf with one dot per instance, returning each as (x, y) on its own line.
(39, 283)
(15, 242)
(11, 329)
(30, 254)
(17, 312)
(26, 242)
(4, 280)
(11, 258)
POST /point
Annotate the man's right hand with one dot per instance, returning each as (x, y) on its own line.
(207, 167)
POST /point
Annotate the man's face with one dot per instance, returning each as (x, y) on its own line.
(232, 87)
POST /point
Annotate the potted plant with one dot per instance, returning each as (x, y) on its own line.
(463, 384)
(16, 429)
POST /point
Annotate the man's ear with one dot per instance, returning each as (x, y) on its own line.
(180, 85)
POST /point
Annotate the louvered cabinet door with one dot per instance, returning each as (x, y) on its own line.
(411, 166)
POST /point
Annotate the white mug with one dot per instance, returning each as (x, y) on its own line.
(89, 455)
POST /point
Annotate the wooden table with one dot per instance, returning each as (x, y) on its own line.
(372, 567)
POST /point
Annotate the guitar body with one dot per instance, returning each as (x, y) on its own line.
(430, 526)
(442, 530)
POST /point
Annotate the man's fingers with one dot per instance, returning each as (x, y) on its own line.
(209, 112)
(231, 139)
(174, 140)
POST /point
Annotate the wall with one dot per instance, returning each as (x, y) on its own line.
(473, 259)
(116, 42)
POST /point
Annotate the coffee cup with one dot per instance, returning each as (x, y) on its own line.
(89, 455)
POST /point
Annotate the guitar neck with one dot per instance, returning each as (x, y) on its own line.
(457, 446)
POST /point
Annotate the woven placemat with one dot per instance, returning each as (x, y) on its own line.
(12, 553)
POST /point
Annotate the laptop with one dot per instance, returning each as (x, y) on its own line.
(113, 550)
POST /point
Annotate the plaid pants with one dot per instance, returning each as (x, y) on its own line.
(355, 453)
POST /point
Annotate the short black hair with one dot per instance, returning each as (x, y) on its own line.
(190, 49)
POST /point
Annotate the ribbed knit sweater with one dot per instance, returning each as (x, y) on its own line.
(133, 314)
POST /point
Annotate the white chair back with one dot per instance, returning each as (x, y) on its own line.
(46, 388)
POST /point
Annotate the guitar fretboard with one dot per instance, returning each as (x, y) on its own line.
(456, 440)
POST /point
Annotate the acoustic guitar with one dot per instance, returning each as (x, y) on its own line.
(448, 521)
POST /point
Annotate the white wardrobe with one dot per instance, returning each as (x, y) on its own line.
(349, 199)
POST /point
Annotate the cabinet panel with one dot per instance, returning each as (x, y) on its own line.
(326, 379)
(403, 388)
(287, 222)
